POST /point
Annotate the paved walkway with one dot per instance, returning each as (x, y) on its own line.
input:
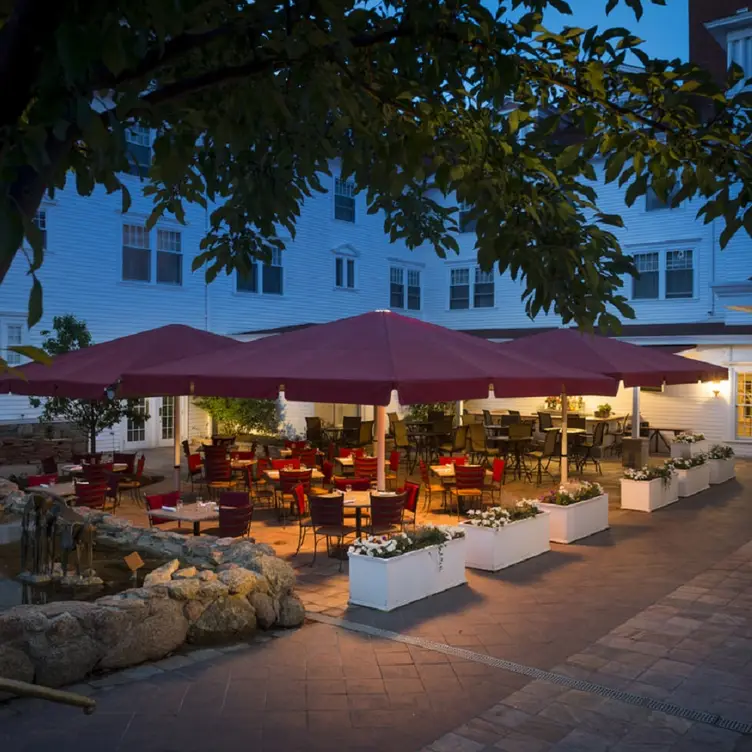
(658, 608)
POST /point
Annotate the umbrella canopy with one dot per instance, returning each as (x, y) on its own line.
(632, 364)
(87, 373)
(360, 360)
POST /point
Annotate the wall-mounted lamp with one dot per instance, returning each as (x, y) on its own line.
(716, 388)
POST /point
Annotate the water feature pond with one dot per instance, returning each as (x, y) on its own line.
(108, 563)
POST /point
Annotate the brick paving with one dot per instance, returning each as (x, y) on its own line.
(634, 608)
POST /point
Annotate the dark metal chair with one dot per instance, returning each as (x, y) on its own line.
(387, 513)
(328, 521)
(546, 454)
(350, 430)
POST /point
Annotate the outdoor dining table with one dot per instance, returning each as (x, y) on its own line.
(242, 464)
(273, 475)
(516, 446)
(59, 489)
(117, 467)
(570, 431)
(446, 472)
(193, 513)
(358, 500)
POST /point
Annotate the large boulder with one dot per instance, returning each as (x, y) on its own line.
(239, 581)
(279, 574)
(224, 619)
(185, 573)
(162, 631)
(263, 605)
(15, 664)
(67, 662)
(16, 623)
(163, 574)
(291, 611)
(184, 590)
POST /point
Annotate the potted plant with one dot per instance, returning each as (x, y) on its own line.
(603, 411)
(721, 464)
(577, 510)
(389, 572)
(693, 473)
(650, 488)
(688, 445)
(553, 403)
(502, 536)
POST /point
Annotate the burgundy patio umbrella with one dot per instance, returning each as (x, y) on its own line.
(361, 360)
(634, 365)
(90, 372)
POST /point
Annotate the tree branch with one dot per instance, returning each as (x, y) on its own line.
(24, 38)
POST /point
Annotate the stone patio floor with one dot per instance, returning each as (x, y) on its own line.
(659, 608)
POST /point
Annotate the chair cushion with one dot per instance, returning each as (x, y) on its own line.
(335, 532)
(466, 492)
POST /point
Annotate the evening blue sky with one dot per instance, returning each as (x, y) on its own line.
(664, 28)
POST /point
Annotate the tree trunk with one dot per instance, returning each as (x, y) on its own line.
(93, 439)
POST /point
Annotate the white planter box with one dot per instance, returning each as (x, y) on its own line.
(386, 584)
(496, 549)
(694, 480)
(672, 491)
(689, 450)
(721, 470)
(578, 520)
(647, 495)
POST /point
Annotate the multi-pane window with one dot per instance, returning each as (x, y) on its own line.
(406, 297)
(664, 275)
(413, 289)
(483, 292)
(248, 282)
(653, 202)
(459, 289)
(136, 254)
(344, 272)
(138, 149)
(679, 274)
(744, 405)
(169, 258)
(271, 275)
(40, 220)
(136, 429)
(646, 285)
(13, 337)
(471, 286)
(344, 200)
(467, 223)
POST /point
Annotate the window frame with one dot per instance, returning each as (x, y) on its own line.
(663, 252)
(134, 136)
(256, 273)
(345, 272)
(466, 225)
(153, 239)
(473, 271)
(344, 189)
(12, 358)
(403, 271)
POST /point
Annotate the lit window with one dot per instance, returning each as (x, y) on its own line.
(344, 200)
(646, 285)
(483, 292)
(136, 254)
(169, 258)
(344, 272)
(271, 276)
(138, 150)
(459, 289)
(467, 223)
(136, 429)
(679, 274)
(13, 337)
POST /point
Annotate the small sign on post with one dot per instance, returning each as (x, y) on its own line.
(134, 562)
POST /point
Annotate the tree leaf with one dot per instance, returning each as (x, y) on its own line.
(35, 303)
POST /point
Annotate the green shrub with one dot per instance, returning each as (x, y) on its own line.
(236, 415)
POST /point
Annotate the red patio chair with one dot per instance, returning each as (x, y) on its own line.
(285, 462)
(242, 455)
(157, 501)
(392, 477)
(288, 480)
(134, 482)
(125, 458)
(431, 488)
(47, 479)
(195, 468)
(357, 484)
(327, 470)
(366, 467)
(497, 478)
(308, 457)
(235, 514)
(412, 492)
(97, 474)
(460, 459)
(88, 495)
(234, 499)
(469, 482)
(257, 482)
(304, 519)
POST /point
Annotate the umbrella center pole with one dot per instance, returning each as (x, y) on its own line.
(381, 447)
(564, 438)
(176, 442)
